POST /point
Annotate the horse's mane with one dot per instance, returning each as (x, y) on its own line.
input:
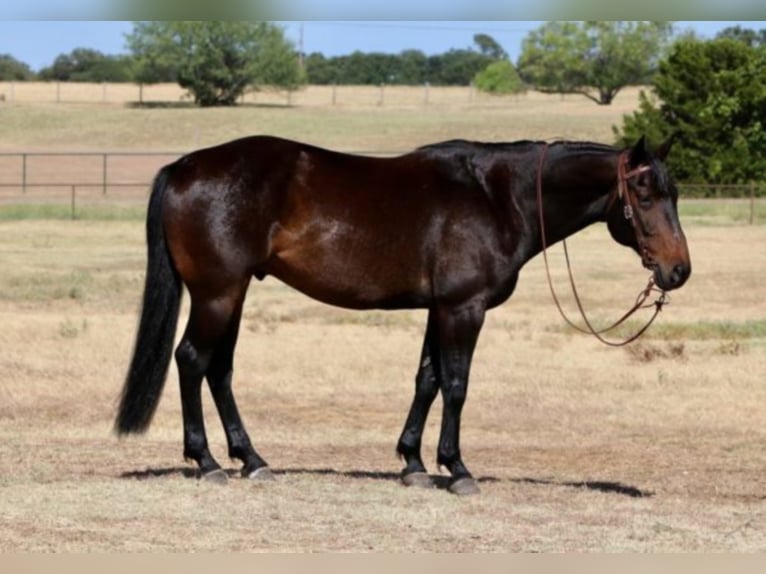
(452, 145)
(461, 144)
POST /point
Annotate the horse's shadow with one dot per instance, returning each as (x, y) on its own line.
(441, 481)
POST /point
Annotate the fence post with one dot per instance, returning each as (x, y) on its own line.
(58, 92)
(334, 92)
(74, 214)
(103, 170)
(23, 173)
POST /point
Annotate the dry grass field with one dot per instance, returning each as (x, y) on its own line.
(359, 125)
(660, 446)
(308, 96)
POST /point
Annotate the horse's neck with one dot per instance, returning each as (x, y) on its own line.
(575, 187)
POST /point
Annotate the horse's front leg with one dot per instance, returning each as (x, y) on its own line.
(426, 388)
(458, 330)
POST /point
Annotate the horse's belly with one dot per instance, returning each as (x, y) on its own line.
(352, 279)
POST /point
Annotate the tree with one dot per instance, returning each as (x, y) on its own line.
(712, 96)
(489, 47)
(456, 67)
(605, 56)
(499, 78)
(320, 70)
(746, 35)
(216, 60)
(12, 69)
(412, 67)
(88, 65)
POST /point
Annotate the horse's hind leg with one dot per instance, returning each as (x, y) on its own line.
(426, 389)
(219, 376)
(209, 319)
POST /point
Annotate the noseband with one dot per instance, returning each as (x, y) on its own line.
(628, 199)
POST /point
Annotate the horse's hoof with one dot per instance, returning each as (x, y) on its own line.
(418, 480)
(464, 486)
(262, 473)
(216, 476)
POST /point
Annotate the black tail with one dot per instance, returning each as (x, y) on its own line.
(156, 332)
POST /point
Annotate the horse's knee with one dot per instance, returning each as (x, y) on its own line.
(455, 394)
(426, 389)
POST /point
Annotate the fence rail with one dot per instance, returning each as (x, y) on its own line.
(312, 95)
(78, 175)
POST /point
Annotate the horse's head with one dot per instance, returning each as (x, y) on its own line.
(644, 214)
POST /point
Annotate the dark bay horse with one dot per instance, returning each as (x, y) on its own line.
(446, 227)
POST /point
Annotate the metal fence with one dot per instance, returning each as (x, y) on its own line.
(54, 171)
(115, 178)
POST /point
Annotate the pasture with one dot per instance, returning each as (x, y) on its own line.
(659, 446)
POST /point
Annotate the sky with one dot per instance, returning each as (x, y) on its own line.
(38, 42)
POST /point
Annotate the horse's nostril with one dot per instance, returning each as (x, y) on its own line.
(679, 274)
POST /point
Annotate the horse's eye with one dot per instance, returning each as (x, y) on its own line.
(645, 201)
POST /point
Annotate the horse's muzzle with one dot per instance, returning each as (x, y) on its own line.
(673, 278)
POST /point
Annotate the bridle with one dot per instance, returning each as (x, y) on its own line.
(628, 199)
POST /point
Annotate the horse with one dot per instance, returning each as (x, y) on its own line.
(446, 227)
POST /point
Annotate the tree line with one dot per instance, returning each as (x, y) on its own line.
(410, 67)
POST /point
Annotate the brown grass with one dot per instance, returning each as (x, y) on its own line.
(577, 447)
(358, 125)
(309, 96)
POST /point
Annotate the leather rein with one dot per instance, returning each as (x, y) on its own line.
(623, 193)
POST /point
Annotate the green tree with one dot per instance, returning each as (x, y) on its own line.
(88, 65)
(456, 67)
(215, 60)
(489, 46)
(13, 69)
(583, 57)
(499, 78)
(412, 67)
(321, 70)
(746, 35)
(711, 95)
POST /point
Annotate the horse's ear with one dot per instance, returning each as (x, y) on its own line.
(664, 149)
(638, 153)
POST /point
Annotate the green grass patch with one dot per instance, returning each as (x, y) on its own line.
(721, 211)
(700, 330)
(697, 331)
(18, 212)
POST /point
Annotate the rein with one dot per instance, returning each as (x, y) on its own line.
(623, 193)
